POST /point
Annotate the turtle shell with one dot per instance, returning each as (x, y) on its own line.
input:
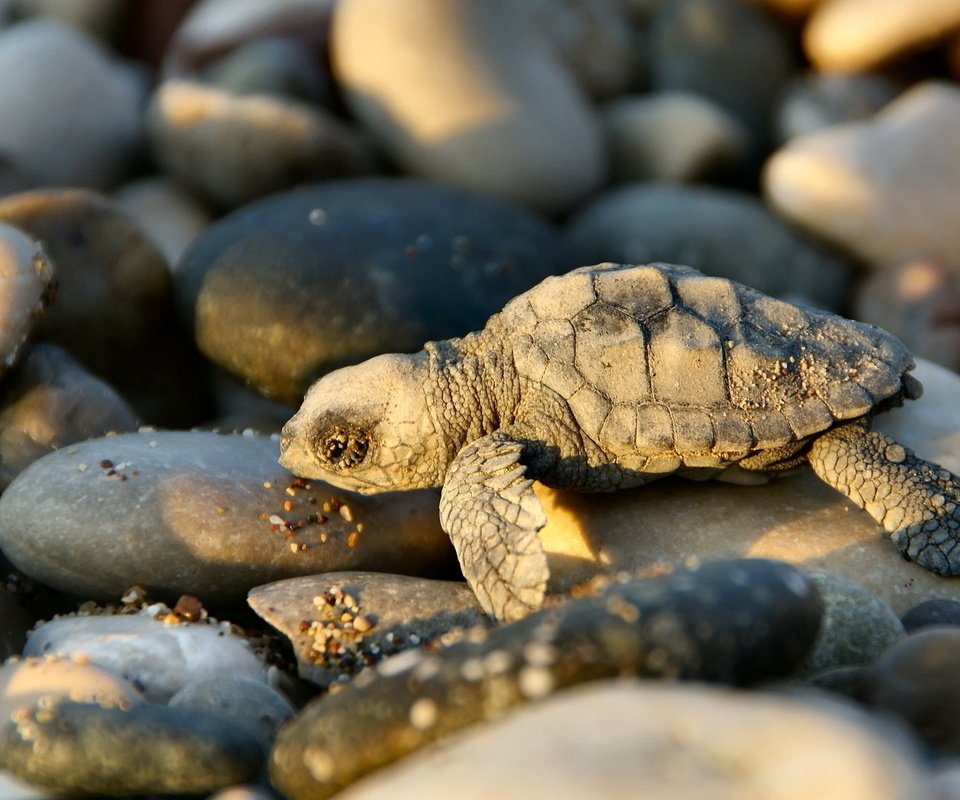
(681, 369)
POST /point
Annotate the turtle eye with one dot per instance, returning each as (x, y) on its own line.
(342, 448)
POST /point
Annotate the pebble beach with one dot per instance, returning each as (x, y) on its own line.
(207, 205)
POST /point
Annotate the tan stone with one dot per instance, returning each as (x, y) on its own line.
(797, 519)
(885, 188)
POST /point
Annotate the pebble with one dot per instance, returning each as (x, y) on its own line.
(623, 739)
(674, 137)
(730, 53)
(48, 402)
(27, 681)
(739, 621)
(244, 702)
(856, 626)
(182, 512)
(114, 306)
(797, 519)
(919, 303)
(235, 148)
(157, 657)
(468, 94)
(916, 680)
(931, 612)
(88, 750)
(883, 188)
(292, 286)
(26, 287)
(850, 35)
(74, 117)
(342, 622)
(815, 101)
(719, 231)
(164, 211)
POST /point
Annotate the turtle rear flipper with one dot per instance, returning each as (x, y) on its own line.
(917, 502)
(489, 509)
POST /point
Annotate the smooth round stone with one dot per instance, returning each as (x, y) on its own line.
(919, 303)
(856, 627)
(165, 212)
(737, 621)
(817, 100)
(275, 66)
(49, 402)
(730, 53)
(621, 740)
(850, 35)
(674, 137)
(214, 27)
(234, 148)
(797, 519)
(244, 702)
(114, 306)
(593, 38)
(916, 680)
(73, 117)
(885, 188)
(15, 621)
(295, 285)
(82, 749)
(28, 681)
(195, 512)
(12, 789)
(468, 93)
(201, 513)
(342, 622)
(157, 657)
(719, 231)
(931, 612)
(26, 287)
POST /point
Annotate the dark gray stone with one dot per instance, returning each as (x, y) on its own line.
(939, 611)
(721, 232)
(342, 622)
(203, 514)
(292, 286)
(737, 621)
(82, 749)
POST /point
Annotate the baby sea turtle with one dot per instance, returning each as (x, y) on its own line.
(612, 376)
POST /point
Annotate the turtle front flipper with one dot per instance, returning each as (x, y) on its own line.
(489, 509)
(916, 501)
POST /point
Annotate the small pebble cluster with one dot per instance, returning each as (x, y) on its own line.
(205, 205)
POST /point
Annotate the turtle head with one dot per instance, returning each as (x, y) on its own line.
(367, 428)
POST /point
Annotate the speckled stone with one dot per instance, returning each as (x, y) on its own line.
(916, 680)
(49, 402)
(74, 117)
(114, 308)
(718, 231)
(156, 657)
(309, 280)
(83, 749)
(622, 740)
(882, 188)
(27, 284)
(469, 94)
(737, 621)
(798, 519)
(195, 512)
(930, 613)
(342, 622)
(235, 148)
(856, 626)
(850, 35)
(244, 702)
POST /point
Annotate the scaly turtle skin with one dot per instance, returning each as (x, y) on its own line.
(612, 376)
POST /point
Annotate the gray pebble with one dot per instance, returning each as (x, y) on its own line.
(938, 611)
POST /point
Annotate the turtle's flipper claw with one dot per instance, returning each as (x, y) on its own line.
(492, 515)
(917, 502)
